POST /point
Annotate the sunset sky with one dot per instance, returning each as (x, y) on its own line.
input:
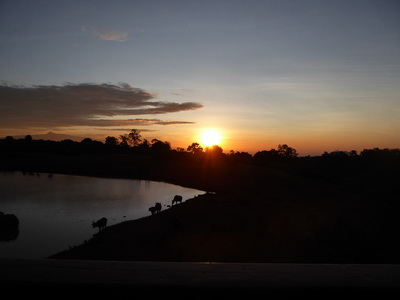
(316, 75)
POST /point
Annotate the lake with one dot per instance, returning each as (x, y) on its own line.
(56, 211)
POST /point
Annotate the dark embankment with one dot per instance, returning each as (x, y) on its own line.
(246, 228)
(225, 228)
(305, 210)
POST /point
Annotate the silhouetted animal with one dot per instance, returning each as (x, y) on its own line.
(152, 210)
(101, 224)
(158, 207)
(8, 221)
(177, 199)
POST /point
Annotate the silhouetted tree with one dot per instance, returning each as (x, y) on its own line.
(240, 156)
(124, 138)
(271, 155)
(160, 146)
(353, 153)
(88, 145)
(144, 146)
(87, 141)
(286, 151)
(380, 154)
(111, 141)
(67, 142)
(134, 137)
(195, 148)
(214, 150)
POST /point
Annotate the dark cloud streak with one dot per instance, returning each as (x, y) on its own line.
(82, 105)
(135, 122)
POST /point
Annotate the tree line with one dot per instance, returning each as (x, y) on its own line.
(133, 143)
(375, 172)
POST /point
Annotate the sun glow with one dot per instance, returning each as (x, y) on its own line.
(210, 137)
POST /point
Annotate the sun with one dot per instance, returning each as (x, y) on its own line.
(210, 137)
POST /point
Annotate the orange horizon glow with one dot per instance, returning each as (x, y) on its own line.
(240, 141)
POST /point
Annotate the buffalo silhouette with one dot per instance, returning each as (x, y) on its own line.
(177, 199)
(158, 207)
(101, 224)
(155, 209)
(152, 210)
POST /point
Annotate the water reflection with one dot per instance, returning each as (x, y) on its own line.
(56, 212)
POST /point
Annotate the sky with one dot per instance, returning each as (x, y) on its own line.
(315, 75)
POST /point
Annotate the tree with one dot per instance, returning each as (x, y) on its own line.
(134, 137)
(124, 140)
(160, 148)
(111, 141)
(214, 150)
(240, 156)
(353, 153)
(145, 145)
(271, 155)
(195, 148)
(286, 151)
(87, 141)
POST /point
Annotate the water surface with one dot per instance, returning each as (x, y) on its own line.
(56, 212)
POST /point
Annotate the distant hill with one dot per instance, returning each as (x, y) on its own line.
(51, 136)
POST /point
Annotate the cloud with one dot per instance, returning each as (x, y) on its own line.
(83, 105)
(136, 122)
(124, 129)
(108, 35)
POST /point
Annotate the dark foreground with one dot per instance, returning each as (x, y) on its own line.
(150, 280)
(231, 228)
(306, 210)
(305, 226)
